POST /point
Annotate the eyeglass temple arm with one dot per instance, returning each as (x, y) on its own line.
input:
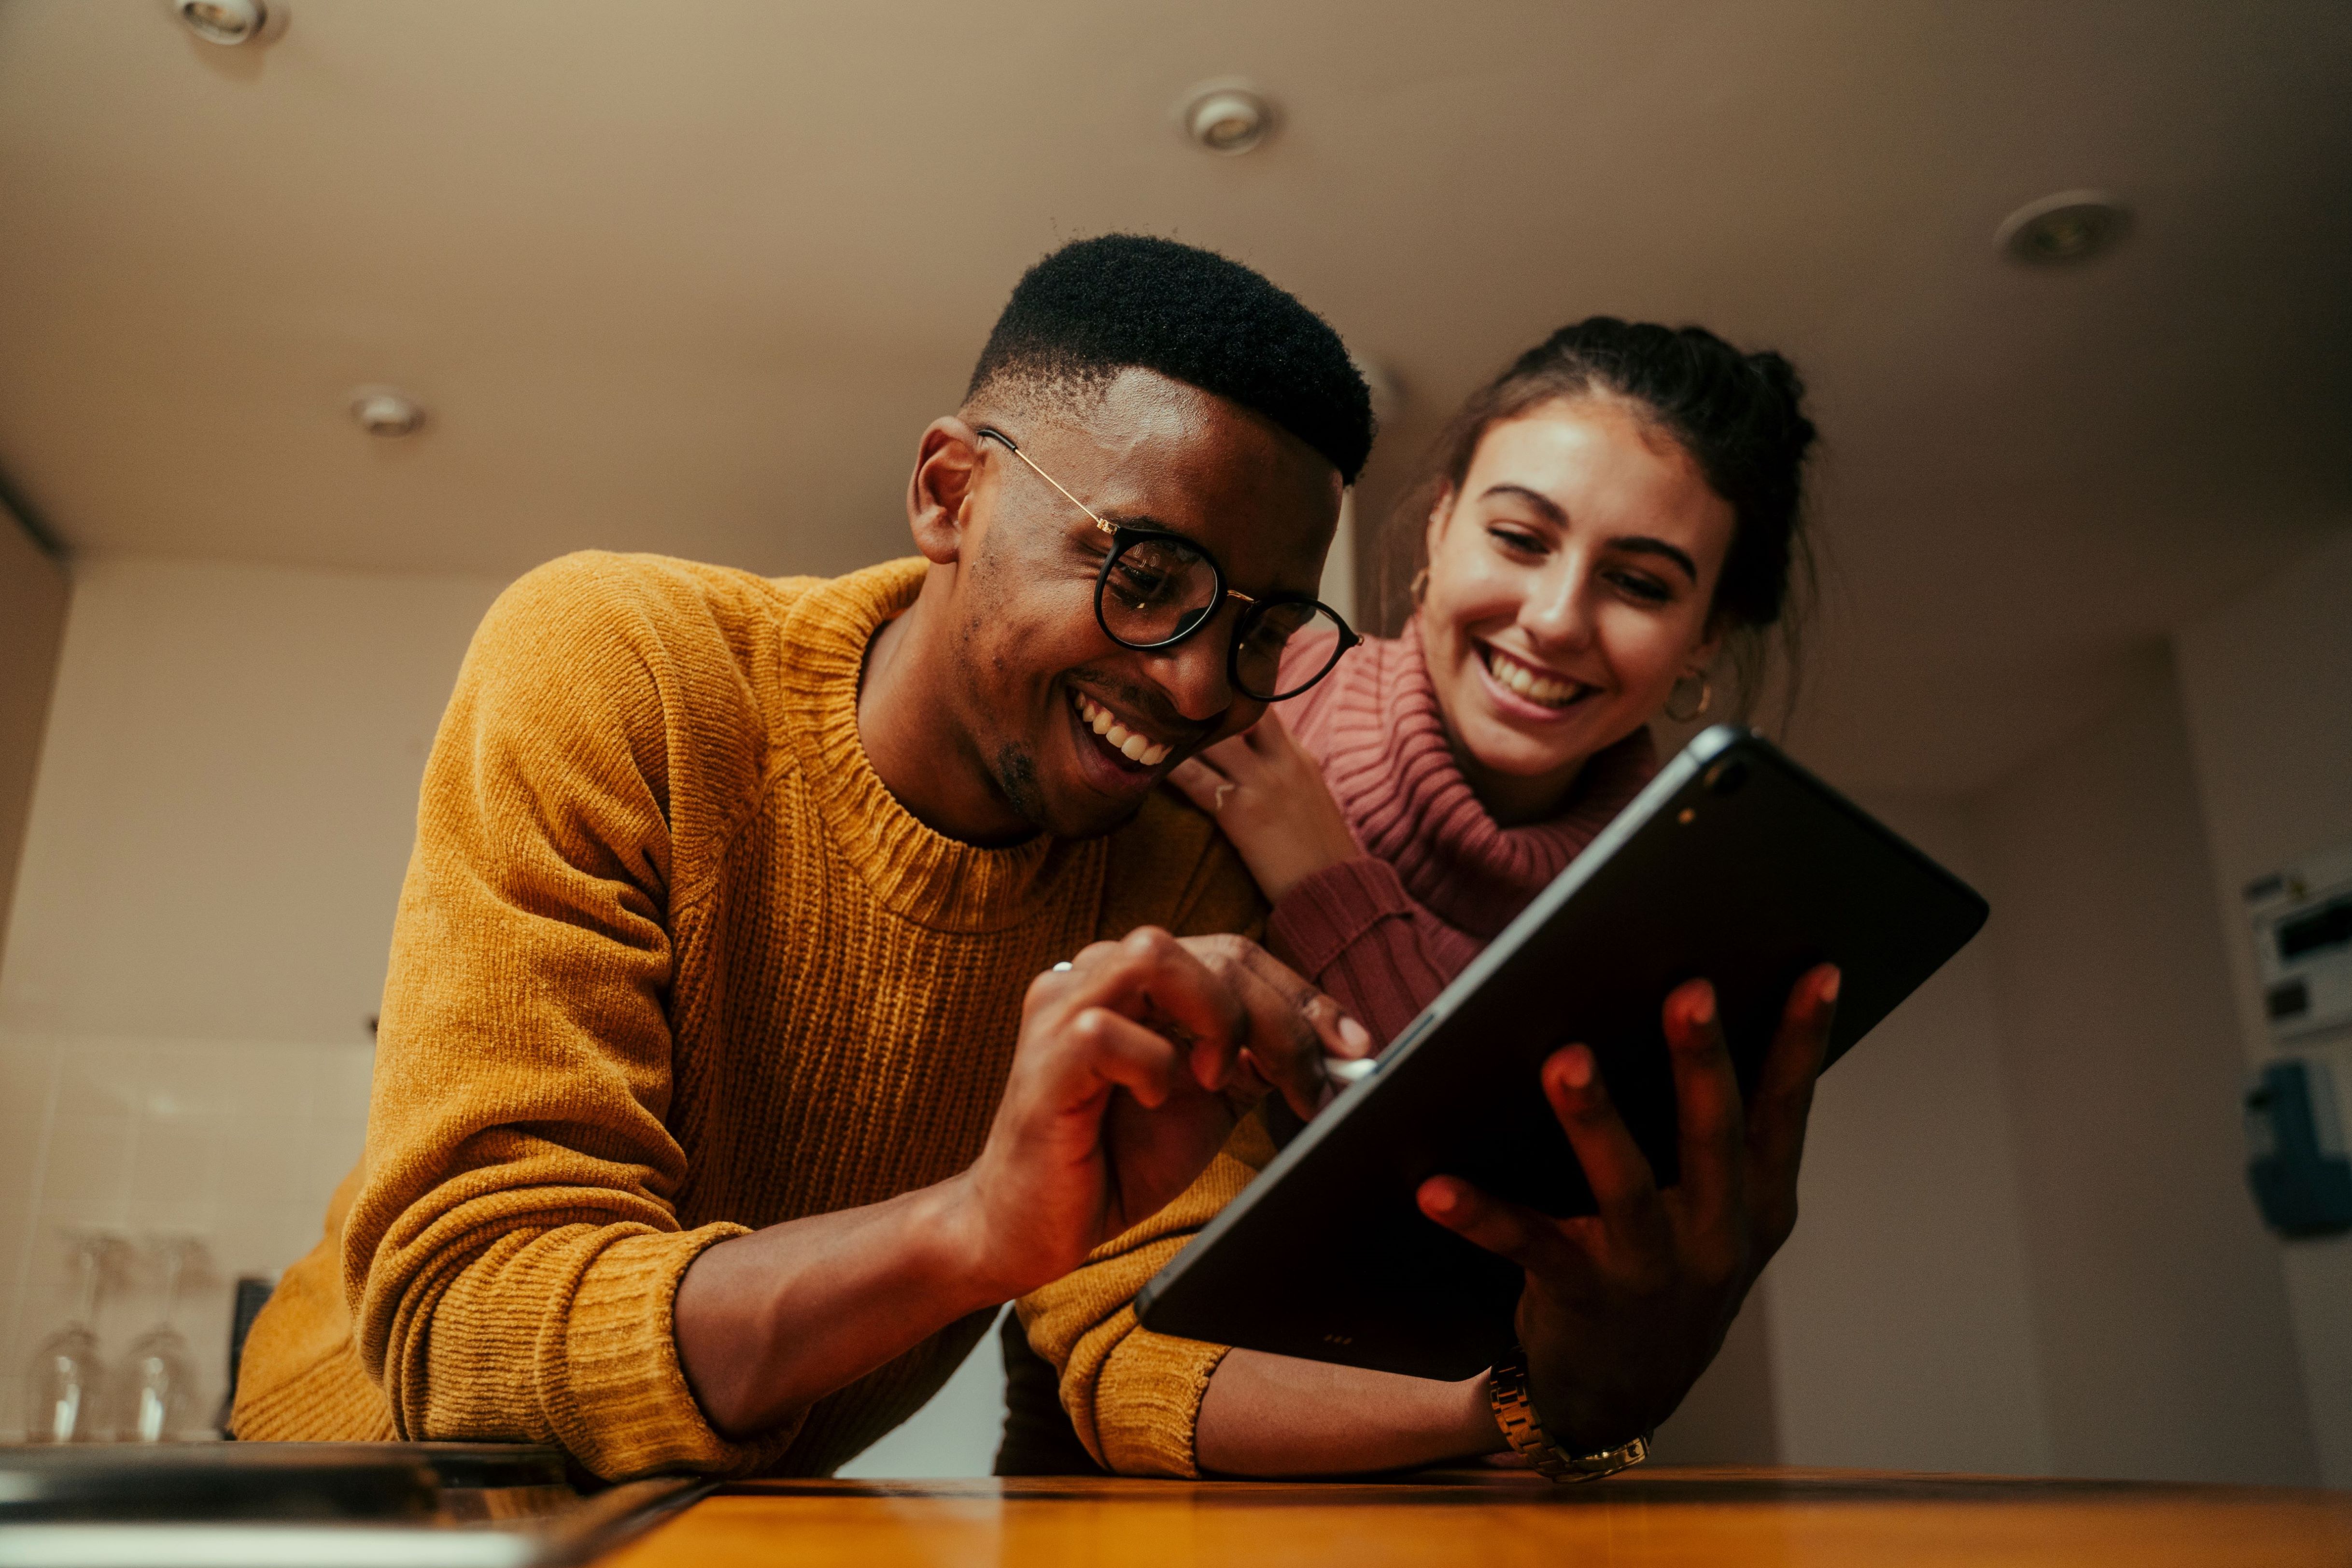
(1006, 442)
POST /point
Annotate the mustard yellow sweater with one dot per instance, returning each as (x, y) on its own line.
(671, 964)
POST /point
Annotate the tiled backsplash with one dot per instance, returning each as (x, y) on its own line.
(238, 1145)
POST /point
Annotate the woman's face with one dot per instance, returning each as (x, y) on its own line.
(1569, 582)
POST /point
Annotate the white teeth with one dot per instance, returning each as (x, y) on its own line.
(1529, 684)
(1134, 747)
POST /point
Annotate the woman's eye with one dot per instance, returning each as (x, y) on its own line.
(1517, 540)
(1649, 590)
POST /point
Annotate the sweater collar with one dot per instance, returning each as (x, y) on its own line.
(1396, 778)
(913, 871)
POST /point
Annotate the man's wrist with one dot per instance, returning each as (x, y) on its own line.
(948, 1241)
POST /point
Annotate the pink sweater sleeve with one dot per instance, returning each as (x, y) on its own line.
(1354, 930)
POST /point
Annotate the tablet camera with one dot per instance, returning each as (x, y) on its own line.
(1725, 777)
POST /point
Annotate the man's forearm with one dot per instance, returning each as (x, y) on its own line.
(1273, 1415)
(769, 1323)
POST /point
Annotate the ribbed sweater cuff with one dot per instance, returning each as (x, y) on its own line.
(1148, 1402)
(630, 1410)
(1321, 917)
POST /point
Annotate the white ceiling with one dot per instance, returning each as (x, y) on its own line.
(691, 275)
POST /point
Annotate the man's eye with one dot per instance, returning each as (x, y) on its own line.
(1138, 585)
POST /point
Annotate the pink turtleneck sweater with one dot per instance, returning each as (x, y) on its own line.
(1438, 879)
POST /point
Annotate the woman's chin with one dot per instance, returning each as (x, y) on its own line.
(1508, 752)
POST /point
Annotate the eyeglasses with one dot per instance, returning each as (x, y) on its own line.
(1156, 589)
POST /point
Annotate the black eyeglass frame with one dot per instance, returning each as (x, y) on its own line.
(1124, 536)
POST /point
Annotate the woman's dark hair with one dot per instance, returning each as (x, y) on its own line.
(1739, 417)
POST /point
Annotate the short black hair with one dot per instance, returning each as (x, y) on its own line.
(1099, 306)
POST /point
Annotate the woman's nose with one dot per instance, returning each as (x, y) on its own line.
(1561, 611)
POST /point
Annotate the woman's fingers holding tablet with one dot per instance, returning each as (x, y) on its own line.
(1708, 1117)
(1633, 1215)
(1784, 1101)
(1536, 1242)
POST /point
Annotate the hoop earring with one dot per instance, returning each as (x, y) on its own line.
(1706, 699)
(1419, 587)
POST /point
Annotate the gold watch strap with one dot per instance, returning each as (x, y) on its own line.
(1515, 1413)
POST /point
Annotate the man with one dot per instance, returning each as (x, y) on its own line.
(725, 1083)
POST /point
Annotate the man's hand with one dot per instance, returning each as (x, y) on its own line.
(1133, 1066)
(1622, 1310)
(1269, 796)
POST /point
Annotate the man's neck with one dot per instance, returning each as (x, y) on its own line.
(908, 724)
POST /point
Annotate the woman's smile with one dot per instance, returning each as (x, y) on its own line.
(1548, 691)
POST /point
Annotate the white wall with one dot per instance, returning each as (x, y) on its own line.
(2266, 680)
(2160, 1305)
(1901, 1309)
(224, 806)
(2027, 1243)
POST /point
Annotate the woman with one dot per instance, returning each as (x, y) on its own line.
(1607, 519)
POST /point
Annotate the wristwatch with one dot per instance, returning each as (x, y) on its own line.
(1515, 1413)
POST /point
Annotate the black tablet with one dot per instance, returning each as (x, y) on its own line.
(1735, 864)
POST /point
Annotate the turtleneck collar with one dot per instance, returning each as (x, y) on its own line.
(915, 872)
(1375, 724)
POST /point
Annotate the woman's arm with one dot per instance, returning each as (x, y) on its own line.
(1341, 919)
(1276, 1415)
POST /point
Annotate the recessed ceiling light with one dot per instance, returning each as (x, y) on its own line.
(2061, 229)
(1226, 117)
(232, 21)
(381, 411)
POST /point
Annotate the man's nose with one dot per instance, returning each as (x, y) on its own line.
(1192, 674)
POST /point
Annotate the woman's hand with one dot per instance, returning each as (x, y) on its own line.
(1624, 1309)
(1269, 796)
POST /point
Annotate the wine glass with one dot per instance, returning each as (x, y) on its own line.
(155, 1389)
(63, 1382)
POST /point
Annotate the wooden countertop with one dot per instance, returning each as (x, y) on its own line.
(1786, 1518)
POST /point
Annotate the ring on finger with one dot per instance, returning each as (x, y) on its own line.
(1218, 804)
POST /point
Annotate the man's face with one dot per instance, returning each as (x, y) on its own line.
(1037, 672)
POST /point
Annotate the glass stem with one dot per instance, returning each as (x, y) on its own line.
(86, 1293)
(174, 1258)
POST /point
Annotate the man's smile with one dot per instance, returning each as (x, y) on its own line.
(1126, 741)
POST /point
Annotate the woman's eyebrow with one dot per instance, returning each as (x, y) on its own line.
(1632, 544)
(1553, 511)
(1641, 544)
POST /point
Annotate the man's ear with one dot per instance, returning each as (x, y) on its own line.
(939, 496)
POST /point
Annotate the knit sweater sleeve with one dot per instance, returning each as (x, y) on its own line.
(1354, 930)
(513, 1252)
